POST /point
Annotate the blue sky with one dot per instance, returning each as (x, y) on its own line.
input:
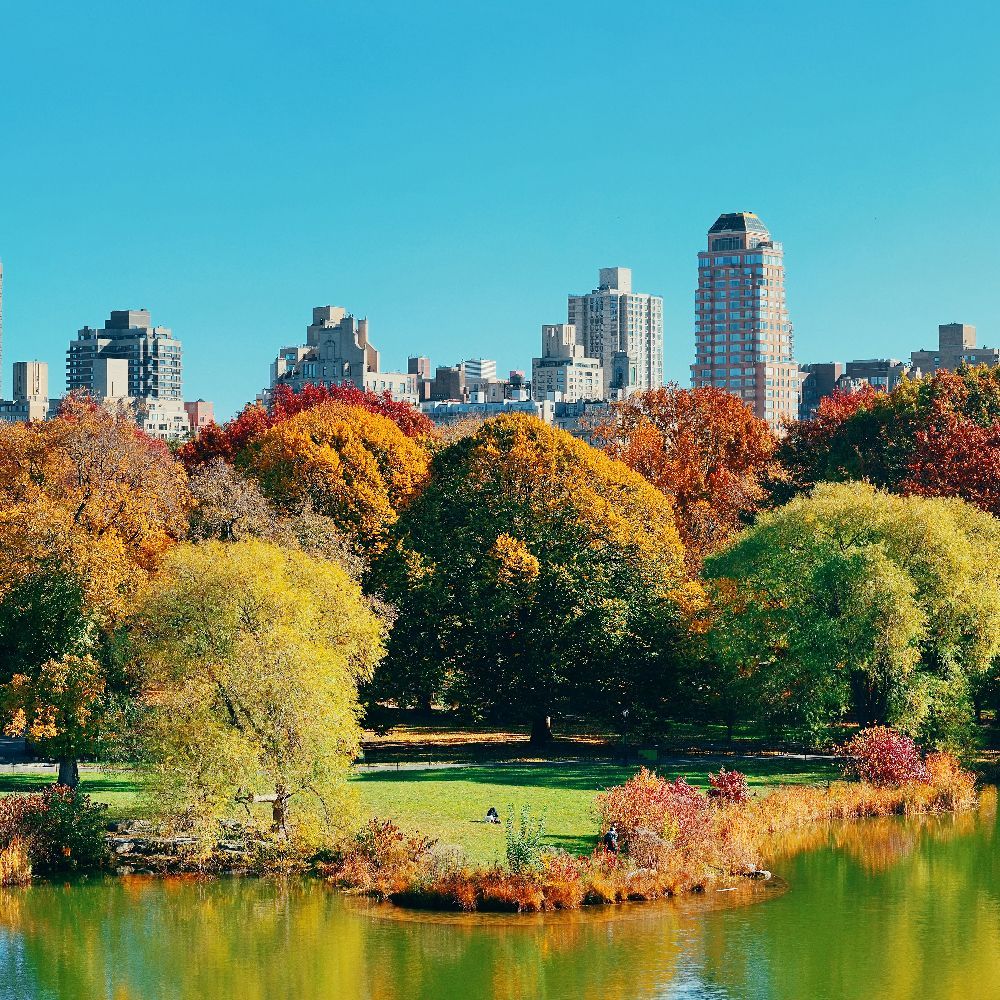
(453, 170)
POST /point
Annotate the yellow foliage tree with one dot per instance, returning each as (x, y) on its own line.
(254, 654)
(352, 465)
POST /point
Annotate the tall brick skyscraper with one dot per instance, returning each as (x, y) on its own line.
(743, 341)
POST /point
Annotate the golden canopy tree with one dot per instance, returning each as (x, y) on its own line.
(703, 448)
(532, 574)
(253, 654)
(88, 507)
(350, 464)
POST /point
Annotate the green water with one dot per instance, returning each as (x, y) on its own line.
(886, 909)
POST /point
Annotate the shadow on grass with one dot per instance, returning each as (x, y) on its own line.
(593, 777)
(89, 784)
(574, 845)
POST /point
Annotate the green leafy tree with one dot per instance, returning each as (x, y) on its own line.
(532, 575)
(253, 655)
(850, 599)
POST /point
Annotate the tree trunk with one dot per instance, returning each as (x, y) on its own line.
(541, 730)
(69, 772)
(279, 811)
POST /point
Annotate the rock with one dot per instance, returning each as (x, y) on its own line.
(760, 873)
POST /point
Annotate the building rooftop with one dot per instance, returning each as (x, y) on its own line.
(739, 222)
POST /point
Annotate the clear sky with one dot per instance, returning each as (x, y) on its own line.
(453, 170)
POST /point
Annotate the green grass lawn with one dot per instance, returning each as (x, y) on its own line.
(449, 803)
(119, 790)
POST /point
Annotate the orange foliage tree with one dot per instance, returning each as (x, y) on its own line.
(350, 464)
(231, 439)
(88, 507)
(703, 448)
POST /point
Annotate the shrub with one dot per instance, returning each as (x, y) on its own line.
(524, 840)
(883, 757)
(383, 859)
(671, 809)
(728, 786)
(61, 829)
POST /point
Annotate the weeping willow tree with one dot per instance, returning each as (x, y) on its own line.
(253, 657)
(849, 600)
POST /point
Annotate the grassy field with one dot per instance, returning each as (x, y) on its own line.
(449, 802)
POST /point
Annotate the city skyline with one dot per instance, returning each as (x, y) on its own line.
(456, 208)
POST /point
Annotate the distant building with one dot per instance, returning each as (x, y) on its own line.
(448, 384)
(818, 381)
(581, 418)
(881, 373)
(563, 373)
(337, 352)
(743, 341)
(200, 414)
(31, 394)
(622, 330)
(956, 347)
(152, 352)
(1, 327)
(479, 370)
(443, 413)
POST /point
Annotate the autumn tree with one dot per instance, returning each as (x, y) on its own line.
(229, 441)
(891, 439)
(253, 654)
(531, 575)
(88, 507)
(352, 465)
(850, 600)
(703, 448)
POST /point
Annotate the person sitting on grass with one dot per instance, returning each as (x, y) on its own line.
(611, 840)
(492, 816)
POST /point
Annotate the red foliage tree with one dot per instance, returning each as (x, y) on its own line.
(254, 420)
(702, 447)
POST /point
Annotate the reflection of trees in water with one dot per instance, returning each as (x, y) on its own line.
(891, 909)
(251, 940)
(894, 909)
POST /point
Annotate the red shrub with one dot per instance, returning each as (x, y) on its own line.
(728, 786)
(883, 756)
(671, 809)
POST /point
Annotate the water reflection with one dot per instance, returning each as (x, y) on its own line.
(891, 908)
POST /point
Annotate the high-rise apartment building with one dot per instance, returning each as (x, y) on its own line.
(31, 393)
(337, 352)
(622, 330)
(743, 341)
(152, 353)
(563, 373)
(956, 347)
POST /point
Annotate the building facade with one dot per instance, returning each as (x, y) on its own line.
(337, 352)
(956, 347)
(622, 330)
(479, 370)
(31, 394)
(152, 352)
(743, 338)
(563, 373)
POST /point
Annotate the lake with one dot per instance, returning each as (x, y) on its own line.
(885, 909)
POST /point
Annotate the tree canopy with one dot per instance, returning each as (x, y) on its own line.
(703, 448)
(852, 600)
(253, 654)
(530, 574)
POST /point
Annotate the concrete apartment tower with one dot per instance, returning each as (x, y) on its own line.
(956, 347)
(622, 330)
(744, 341)
(563, 373)
(130, 360)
